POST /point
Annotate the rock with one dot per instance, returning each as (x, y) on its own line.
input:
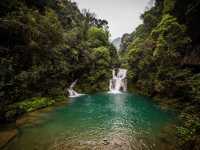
(32, 117)
(7, 136)
(106, 142)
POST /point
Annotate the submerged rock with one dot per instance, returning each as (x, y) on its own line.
(106, 142)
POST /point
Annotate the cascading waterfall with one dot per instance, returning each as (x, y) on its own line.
(73, 93)
(118, 83)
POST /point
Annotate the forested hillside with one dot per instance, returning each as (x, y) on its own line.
(163, 58)
(117, 42)
(44, 46)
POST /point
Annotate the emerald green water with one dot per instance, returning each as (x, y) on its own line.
(100, 121)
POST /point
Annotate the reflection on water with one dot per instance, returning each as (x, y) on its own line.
(100, 121)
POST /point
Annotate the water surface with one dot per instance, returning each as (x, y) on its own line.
(99, 121)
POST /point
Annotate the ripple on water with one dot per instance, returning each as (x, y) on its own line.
(98, 122)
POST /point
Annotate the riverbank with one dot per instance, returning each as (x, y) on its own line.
(13, 111)
(26, 112)
(7, 136)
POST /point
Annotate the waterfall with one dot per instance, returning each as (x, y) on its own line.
(118, 83)
(73, 93)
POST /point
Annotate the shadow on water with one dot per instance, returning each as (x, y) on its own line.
(100, 121)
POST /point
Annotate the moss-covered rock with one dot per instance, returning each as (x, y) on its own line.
(29, 105)
(33, 104)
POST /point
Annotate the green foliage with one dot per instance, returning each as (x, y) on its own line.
(45, 46)
(97, 36)
(16, 109)
(195, 86)
(100, 71)
(169, 6)
(7, 6)
(190, 128)
(184, 133)
(161, 56)
(101, 56)
(170, 38)
(153, 59)
(34, 104)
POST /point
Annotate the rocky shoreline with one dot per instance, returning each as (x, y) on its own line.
(7, 136)
(9, 131)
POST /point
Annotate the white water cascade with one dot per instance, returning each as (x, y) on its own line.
(73, 93)
(118, 83)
